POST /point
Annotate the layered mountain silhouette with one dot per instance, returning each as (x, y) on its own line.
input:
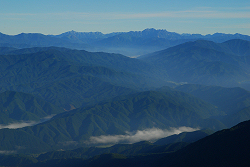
(71, 77)
(228, 147)
(205, 62)
(233, 101)
(85, 108)
(138, 111)
(133, 43)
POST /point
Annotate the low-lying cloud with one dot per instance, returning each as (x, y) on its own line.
(12, 151)
(140, 135)
(23, 124)
(8, 152)
(18, 125)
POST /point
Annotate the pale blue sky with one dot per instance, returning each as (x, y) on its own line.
(58, 16)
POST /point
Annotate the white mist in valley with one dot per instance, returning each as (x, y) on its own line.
(139, 135)
(8, 152)
(23, 124)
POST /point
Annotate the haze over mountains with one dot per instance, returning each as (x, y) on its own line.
(180, 83)
(228, 147)
(205, 62)
(133, 43)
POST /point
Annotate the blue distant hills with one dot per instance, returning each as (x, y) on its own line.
(133, 43)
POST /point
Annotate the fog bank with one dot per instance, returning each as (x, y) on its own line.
(139, 135)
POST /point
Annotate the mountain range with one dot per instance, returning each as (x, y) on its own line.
(133, 43)
(61, 103)
(227, 147)
(78, 77)
(168, 144)
(134, 112)
(205, 62)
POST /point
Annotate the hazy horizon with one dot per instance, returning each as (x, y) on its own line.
(120, 32)
(56, 17)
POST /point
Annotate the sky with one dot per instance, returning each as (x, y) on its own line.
(106, 16)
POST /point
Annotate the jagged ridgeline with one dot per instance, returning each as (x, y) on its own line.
(133, 43)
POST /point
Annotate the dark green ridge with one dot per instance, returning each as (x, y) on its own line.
(53, 73)
(17, 107)
(139, 111)
(228, 147)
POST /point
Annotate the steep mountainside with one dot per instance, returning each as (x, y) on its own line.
(133, 112)
(240, 116)
(16, 107)
(235, 102)
(238, 47)
(228, 147)
(205, 62)
(224, 148)
(71, 77)
(229, 100)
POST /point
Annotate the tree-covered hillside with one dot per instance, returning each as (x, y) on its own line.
(17, 106)
(205, 62)
(138, 111)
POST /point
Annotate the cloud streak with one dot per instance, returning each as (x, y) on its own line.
(8, 152)
(140, 135)
(18, 125)
(23, 124)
